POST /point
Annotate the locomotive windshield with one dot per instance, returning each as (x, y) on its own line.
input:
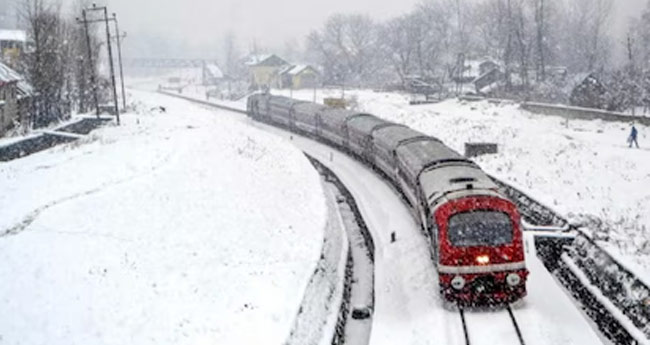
(479, 228)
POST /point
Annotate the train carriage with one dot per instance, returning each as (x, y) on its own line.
(331, 124)
(306, 116)
(360, 129)
(280, 111)
(386, 141)
(413, 156)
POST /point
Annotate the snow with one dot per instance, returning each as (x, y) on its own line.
(624, 320)
(255, 59)
(8, 75)
(582, 169)
(214, 70)
(183, 227)
(322, 299)
(13, 35)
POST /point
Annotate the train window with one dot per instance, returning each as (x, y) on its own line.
(479, 228)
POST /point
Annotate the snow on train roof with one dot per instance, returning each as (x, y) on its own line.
(390, 137)
(281, 101)
(449, 178)
(422, 153)
(309, 107)
(333, 117)
(365, 123)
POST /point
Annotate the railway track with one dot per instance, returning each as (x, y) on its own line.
(511, 316)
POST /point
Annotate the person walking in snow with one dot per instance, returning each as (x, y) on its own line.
(632, 138)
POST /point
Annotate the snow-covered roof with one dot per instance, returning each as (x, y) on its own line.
(254, 59)
(259, 59)
(13, 35)
(8, 75)
(214, 70)
(25, 89)
(295, 69)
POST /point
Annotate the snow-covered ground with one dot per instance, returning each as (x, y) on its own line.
(582, 169)
(179, 227)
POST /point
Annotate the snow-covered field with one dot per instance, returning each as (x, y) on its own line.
(179, 227)
(582, 169)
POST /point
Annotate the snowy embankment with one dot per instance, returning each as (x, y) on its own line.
(582, 169)
(179, 227)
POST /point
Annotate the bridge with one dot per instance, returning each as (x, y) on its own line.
(167, 62)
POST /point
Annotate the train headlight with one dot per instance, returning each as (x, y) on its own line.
(513, 279)
(458, 282)
(482, 259)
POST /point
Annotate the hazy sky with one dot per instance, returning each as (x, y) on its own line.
(195, 27)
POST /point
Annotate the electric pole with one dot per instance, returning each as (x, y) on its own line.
(110, 53)
(119, 55)
(110, 60)
(91, 66)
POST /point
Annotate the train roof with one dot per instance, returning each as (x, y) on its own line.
(284, 102)
(391, 136)
(426, 152)
(442, 180)
(336, 118)
(365, 123)
(309, 107)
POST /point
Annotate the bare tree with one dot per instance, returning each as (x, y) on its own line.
(46, 63)
(347, 48)
(230, 53)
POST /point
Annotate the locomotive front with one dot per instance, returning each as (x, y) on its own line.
(481, 253)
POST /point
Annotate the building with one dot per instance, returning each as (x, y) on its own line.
(212, 74)
(8, 97)
(588, 92)
(12, 45)
(466, 71)
(263, 70)
(16, 99)
(299, 77)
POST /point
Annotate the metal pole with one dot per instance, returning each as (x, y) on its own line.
(119, 55)
(110, 60)
(90, 65)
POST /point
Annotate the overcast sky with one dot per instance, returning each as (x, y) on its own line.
(195, 27)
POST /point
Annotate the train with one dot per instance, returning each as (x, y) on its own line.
(474, 232)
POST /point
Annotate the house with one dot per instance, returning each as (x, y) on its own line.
(466, 71)
(212, 74)
(263, 70)
(16, 98)
(588, 92)
(299, 77)
(487, 81)
(8, 97)
(12, 45)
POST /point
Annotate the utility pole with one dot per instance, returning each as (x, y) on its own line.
(90, 63)
(110, 53)
(119, 54)
(110, 60)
